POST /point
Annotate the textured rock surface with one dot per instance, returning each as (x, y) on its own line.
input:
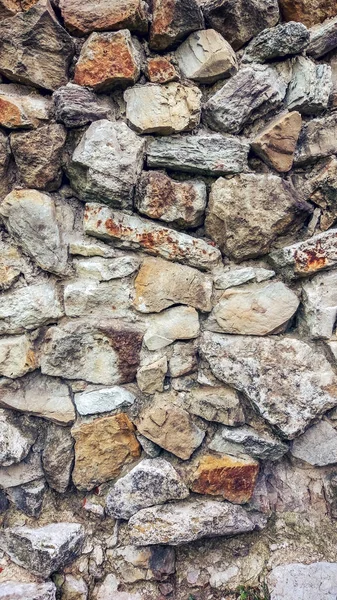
(323, 38)
(150, 378)
(317, 140)
(282, 40)
(174, 21)
(76, 106)
(159, 69)
(96, 16)
(306, 11)
(276, 143)
(12, 590)
(206, 57)
(310, 87)
(14, 443)
(58, 457)
(177, 323)
(259, 445)
(316, 578)
(317, 446)
(218, 403)
(21, 107)
(320, 305)
(17, 356)
(103, 400)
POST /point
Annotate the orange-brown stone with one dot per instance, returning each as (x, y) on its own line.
(172, 21)
(82, 17)
(308, 12)
(10, 115)
(161, 70)
(276, 144)
(102, 448)
(227, 476)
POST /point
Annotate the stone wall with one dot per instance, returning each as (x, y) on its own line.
(168, 391)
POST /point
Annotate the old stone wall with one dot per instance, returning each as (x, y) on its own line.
(168, 277)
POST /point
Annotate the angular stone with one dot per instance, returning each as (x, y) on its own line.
(240, 20)
(107, 353)
(183, 522)
(251, 94)
(106, 164)
(227, 476)
(16, 440)
(152, 481)
(164, 109)
(276, 143)
(150, 378)
(103, 400)
(178, 203)
(173, 22)
(28, 498)
(307, 257)
(287, 381)
(246, 440)
(81, 18)
(30, 216)
(26, 471)
(29, 308)
(177, 323)
(315, 581)
(319, 301)
(317, 446)
(133, 563)
(235, 277)
(90, 248)
(76, 106)
(149, 447)
(323, 192)
(282, 40)
(310, 88)
(8, 8)
(21, 107)
(102, 448)
(111, 299)
(133, 232)
(261, 309)
(160, 284)
(58, 457)
(38, 156)
(74, 588)
(11, 264)
(220, 404)
(43, 550)
(13, 590)
(170, 427)
(107, 60)
(183, 359)
(317, 140)
(41, 396)
(270, 206)
(35, 49)
(103, 269)
(323, 38)
(206, 57)
(308, 12)
(160, 70)
(207, 154)
(17, 356)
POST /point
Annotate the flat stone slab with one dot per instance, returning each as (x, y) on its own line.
(317, 581)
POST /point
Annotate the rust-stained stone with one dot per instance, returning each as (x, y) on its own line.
(308, 12)
(107, 60)
(172, 21)
(227, 476)
(276, 143)
(102, 448)
(9, 8)
(160, 70)
(22, 107)
(83, 17)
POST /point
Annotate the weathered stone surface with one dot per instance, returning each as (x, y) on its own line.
(21, 107)
(41, 396)
(106, 354)
(28, 498)
(81, 18)
(258, 444)
(150, 377)
(173, 22)
(152, 481)
(107, 299)
(220, 404)
(183, 359)
(170, 427)
(106, 164)
(177, 323)
(317, 580)
(179, 203)
(43, 550)
(323, 192)
(227, 476)
(249, 95)
(240, 20)
(317, 140)
(282, 40)
(103, 269)
(310, 88)
(15, 439)
(76, 106)
(160, 284)
(308, 12)
(159, 69)
(140, 234)
(13, 590)
(317, 446)
(276, 143)
(239, 276)
(163, 109)
(38, 156)
(103, 400)
(29, 308)
(58, 457)
(30, 216)
(102, 448)
(182, 522)
(260, 309)
(319, 301)
(270, 206)
(107, 60)
(8, 8)
(206, 57)
(133, 563)
(17, 356)
(74, 588)
(288, 382)
(89, 248)
(307, 257)
(35, 49)
(29, 469)
(323, 38)
(11, 264)
(208, 154)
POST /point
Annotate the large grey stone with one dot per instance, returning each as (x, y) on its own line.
(103, 400)
(316, 581)
(58, 457)
(288, 382)
(29, 469)
(17, 356)
(177, 323)
(317, 446)
(282, 40)
(318, 139)
(250, 94)
(239, 276)
(219, 403)
(205, 153)
(310, 87)
(104, 299)
(319, 302)
(104, 269)
(151, 482)
(323, 38)
(13, 590)
(106, 164)
(76, 106)
(258, 444)
(16, 439)
(28, 498)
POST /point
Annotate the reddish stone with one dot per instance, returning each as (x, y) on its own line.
(172, 21)
(161, 70)
(308, 12)
(84, 16)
